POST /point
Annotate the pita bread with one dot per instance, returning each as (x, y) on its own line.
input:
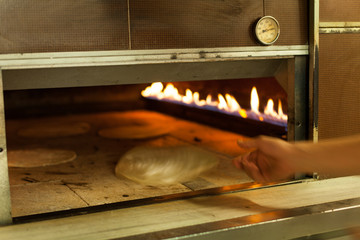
(164, 165)
(40, 157)
(55, 130)
(135, 131)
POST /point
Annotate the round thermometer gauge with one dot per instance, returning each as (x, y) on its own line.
(267, 30)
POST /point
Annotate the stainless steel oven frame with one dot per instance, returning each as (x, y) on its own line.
(74, 69)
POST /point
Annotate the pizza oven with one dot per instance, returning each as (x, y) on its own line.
(35, 117)
(193, 73)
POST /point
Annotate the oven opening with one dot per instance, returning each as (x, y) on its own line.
(64, 144)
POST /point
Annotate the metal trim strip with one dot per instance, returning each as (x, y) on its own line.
(133, 57)
(5, 203)
(339, 24)
(314, 69)
(339, 30)
(280, 224)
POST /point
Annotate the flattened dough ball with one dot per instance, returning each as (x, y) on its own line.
(40, 157)
(53, 130)
(135, 131)
(156, 166)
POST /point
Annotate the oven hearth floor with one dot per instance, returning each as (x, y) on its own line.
(90, 180)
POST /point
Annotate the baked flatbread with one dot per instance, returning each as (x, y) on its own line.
(164, 165)
(135, 131)
(40, 157)
(53, 130)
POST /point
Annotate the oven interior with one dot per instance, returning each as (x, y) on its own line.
(89, 181)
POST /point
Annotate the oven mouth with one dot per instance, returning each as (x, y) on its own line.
(90, 181)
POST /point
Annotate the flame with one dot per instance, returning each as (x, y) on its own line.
(227, 104)
(188, 96)
(222, 103)
(154, 90)
(242, 113)
(197, 100)
(269, 109)
(254, 100)
(281, 113)
(232, 103)
(209, 101)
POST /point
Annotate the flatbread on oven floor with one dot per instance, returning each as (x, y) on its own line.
(40, 157)
(53, 130)
(136, 131)
(164, 165)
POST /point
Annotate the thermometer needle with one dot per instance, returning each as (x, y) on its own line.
(266, 30)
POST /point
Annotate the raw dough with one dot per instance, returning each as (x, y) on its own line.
(135, 131)
(164, 165)
(39, 157)
(55, 130)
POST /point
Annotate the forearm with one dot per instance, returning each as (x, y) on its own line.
(340, 156)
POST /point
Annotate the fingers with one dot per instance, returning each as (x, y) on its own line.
(247, 143)
(237, 162)
(245, 163)
(261, 161)
(273, 147)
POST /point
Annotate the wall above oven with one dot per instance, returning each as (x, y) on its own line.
(63, 26)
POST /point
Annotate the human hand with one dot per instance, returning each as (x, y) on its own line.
(269, 159)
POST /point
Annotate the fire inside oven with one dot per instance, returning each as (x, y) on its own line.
(210, 115)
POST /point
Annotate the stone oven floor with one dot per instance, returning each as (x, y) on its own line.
(90, 180)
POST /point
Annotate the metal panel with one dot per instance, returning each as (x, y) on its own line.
(339, 11)
(297, 99)
(301, 106)
(320, 221)
(5, 204)
(313, 69)
(293, 18)
(53, 26)
(339, 85)
(160, 24)
(86, 25)
(113, 75)
(49, 70)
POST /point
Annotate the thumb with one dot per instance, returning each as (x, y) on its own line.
(249, 144)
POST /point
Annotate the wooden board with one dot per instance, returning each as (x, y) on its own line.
(90, 178)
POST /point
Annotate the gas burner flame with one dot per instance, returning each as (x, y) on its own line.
(227, 104)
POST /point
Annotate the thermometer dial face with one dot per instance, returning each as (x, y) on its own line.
(267, 30)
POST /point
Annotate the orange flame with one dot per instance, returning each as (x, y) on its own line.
(269, 109)
(281, 113)
(227, 103)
